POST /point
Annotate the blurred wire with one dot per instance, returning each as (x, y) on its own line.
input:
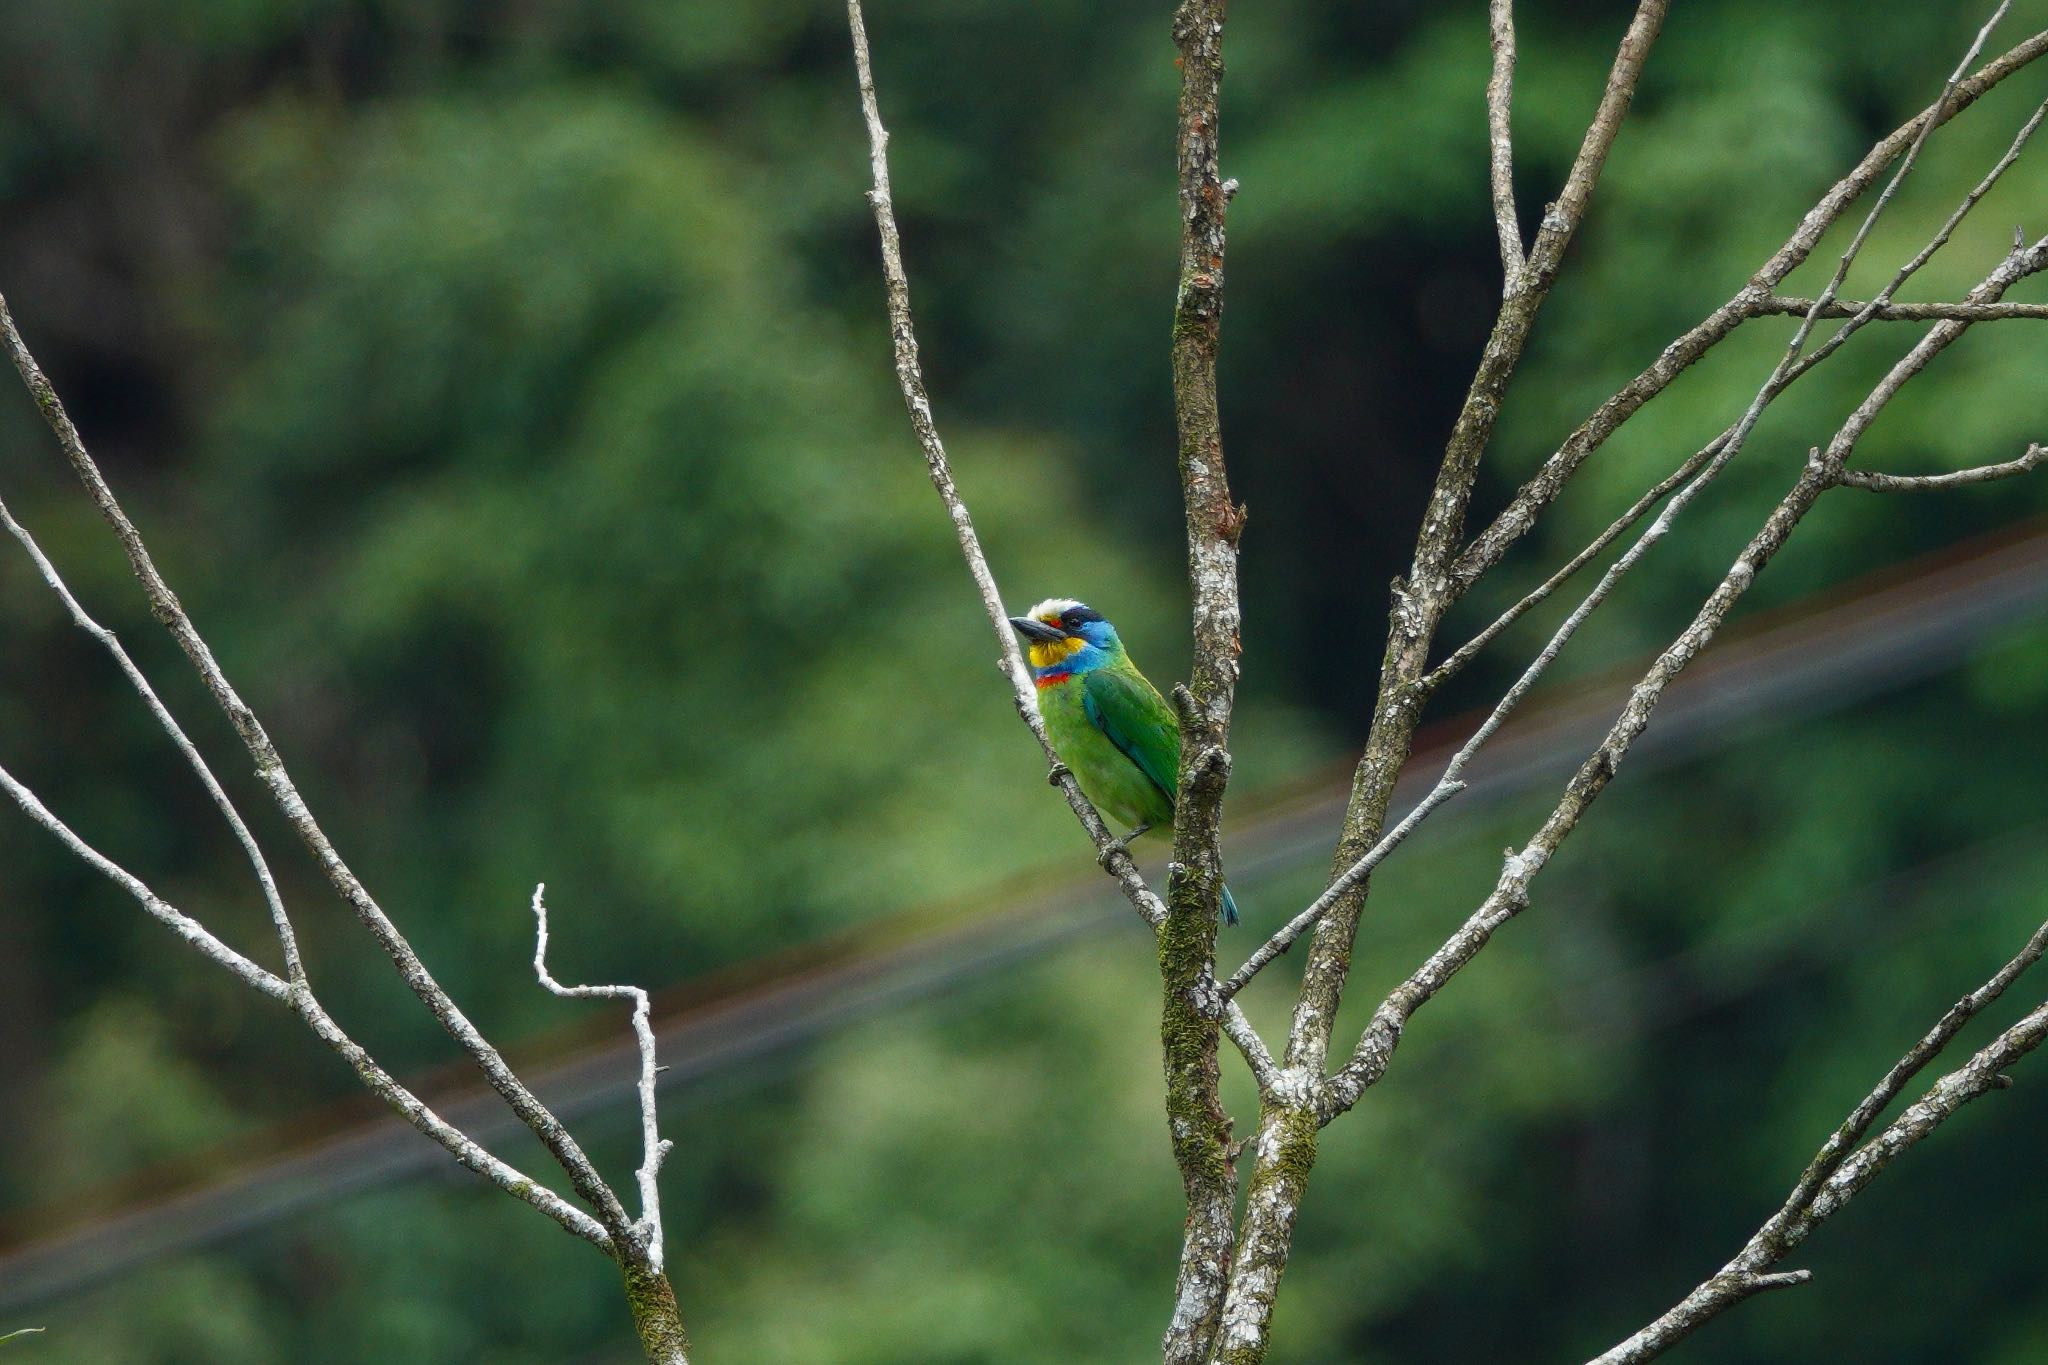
(1816, 656)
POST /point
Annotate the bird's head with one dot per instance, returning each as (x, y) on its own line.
(1064, 636)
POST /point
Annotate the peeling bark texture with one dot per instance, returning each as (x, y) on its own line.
(1192, 1006)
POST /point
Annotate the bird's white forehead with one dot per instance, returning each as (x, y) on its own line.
(1053, 606)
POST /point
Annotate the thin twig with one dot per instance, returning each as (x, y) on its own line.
(1926, 483)
(298, 997)
(181, 924)
(1284, 937)
(653, 1147)
(1837, 1172)
(1500, 100)
(1511, 892)
(1908, 312)
(1522, 510)
(1651, 496)
(287, 939)
(271, 770)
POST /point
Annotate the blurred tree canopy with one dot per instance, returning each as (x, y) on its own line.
(504, 386)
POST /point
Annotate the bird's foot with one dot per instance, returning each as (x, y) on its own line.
(1117, 846)
(1058, 773)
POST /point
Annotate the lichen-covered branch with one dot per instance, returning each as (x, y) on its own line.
(298, 997)
(177, 921)
(611, 1230)
(280, 921)
(1192, 1007)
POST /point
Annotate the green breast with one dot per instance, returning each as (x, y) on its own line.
(1112, 781)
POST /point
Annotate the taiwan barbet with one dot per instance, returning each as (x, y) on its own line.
(1110, 726)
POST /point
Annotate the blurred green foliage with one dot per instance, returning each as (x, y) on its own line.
(504, 386)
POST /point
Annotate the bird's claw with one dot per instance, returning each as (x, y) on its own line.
(1115, 847)
(1058, 773)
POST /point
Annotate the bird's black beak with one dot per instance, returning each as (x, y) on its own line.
(1036, 630)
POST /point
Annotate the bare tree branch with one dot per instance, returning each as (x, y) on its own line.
(1420, 601)
(1907, 312)
(1924, 483)
(1521, 512)
(179, 923)
(1837, 1173)
(1650, 497)
(1511, 892)
(910, 379)
(1500, 102)
(1284, 937)
(1723, 449)
(1192, 1008)
(270, 768)
(654, 1148)
(287, 940)
(1716, 456)
(298, 996)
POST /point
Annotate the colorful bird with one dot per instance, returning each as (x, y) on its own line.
(1111, 728)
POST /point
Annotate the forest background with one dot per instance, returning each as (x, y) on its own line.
(504, 384)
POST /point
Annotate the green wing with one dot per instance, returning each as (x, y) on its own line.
(1137, 720)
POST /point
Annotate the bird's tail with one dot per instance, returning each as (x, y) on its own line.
(1229, 907)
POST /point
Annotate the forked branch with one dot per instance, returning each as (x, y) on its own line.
(654, 1148)
(1841, 1168)
(270, 769)
(1522, 510)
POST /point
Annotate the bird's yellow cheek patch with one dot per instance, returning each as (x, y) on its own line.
(1046, 653)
